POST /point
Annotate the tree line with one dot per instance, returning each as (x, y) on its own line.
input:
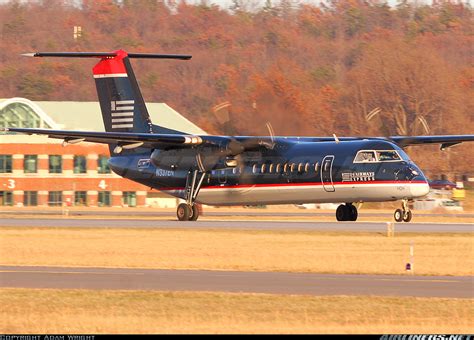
(348, 67)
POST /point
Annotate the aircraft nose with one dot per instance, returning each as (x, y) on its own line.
(419, 189)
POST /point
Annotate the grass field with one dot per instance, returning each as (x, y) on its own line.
(224, 249)
(83, 311)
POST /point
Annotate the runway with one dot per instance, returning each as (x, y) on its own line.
(237, 282)
(254, 225)
(212, 213)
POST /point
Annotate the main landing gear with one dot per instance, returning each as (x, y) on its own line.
(403, 214)
(346, 212)
(188, 211)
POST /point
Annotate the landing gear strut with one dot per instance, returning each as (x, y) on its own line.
(346, 212)
(403, 214)
(188, 211)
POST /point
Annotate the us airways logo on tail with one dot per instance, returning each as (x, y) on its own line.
(122, 113)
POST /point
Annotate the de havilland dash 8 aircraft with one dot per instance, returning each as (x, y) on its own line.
(243, 170)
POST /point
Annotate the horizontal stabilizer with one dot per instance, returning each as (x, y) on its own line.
(107, 55)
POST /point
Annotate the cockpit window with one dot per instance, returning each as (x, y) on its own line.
(389, 155)
(368, 156)
(365, 156)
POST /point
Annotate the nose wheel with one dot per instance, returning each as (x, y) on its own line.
(403, 214)
(346, 212)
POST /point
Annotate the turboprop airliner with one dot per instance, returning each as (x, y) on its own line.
(243, 170)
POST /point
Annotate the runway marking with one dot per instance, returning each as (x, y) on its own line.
(420, 280)
(57, 272)
(192, 272)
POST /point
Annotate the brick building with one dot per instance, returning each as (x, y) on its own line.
(38, 171)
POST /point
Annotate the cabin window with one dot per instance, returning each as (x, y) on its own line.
(306, 167)
(264, 167)
(300, 167)
(278, 168)
(316, 167)
(326, 166)
(270, 168)
(254, 168)
(285, 167)
(365, 156)
(293, 167)
(388, 155)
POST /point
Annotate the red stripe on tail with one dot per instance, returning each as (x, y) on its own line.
(110, 65)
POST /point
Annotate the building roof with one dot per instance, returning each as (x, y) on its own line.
(85, 116)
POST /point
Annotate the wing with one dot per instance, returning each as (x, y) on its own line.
(123, 139)
(445, 141)
(130, 140)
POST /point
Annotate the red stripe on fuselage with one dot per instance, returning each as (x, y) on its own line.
(224, 186)
(113, 65)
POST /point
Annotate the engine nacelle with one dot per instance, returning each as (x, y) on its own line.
(205, 159)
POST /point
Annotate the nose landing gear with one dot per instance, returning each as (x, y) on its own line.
(346, 212)
(403, 214)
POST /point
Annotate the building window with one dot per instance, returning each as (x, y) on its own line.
(30, 198)
(129, 198)
(80, 198)
(104, 199)
(80, 165)
(55, 164)
(6, 164)
(6, 198)
(103, 165)
(30, 164)
(55, 198)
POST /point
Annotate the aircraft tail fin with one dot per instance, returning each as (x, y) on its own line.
(121, 102)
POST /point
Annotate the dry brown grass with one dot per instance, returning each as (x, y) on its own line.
(87, 311)
(224, 249)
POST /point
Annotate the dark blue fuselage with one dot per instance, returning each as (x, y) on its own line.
(292, 165)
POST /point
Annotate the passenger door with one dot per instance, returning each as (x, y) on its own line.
(326, 173)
